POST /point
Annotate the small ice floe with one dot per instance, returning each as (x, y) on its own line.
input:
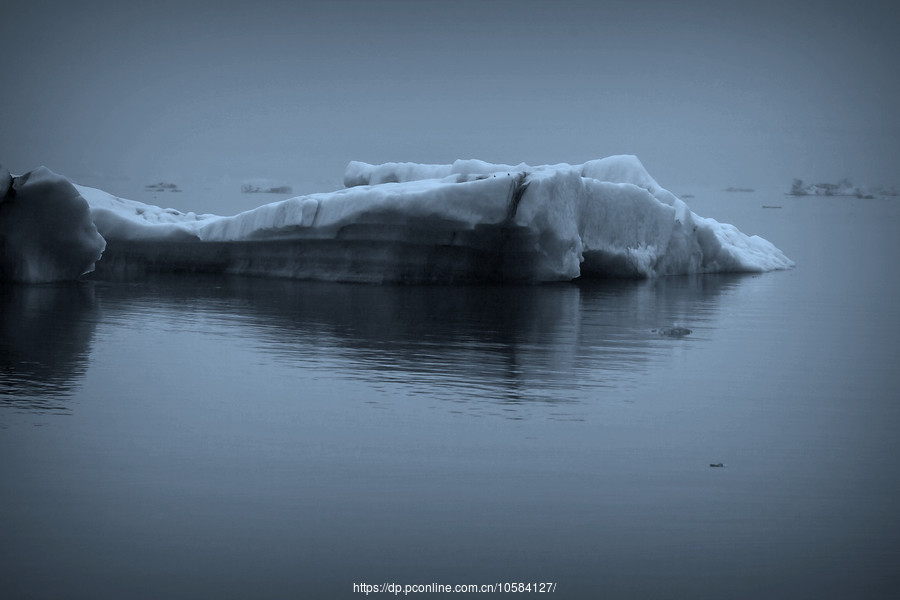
(673, 331)
(162, 186)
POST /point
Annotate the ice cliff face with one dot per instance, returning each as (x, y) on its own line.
(46, 231)
(469, 221)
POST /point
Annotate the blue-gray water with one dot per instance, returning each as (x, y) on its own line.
(252, 438)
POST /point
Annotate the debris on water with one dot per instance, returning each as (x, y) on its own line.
(673, 331)
(717, 465)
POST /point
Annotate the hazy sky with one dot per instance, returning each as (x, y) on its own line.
(119, 95)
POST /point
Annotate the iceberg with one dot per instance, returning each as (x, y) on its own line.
(462, 222)
(46, 230)
(844, 187)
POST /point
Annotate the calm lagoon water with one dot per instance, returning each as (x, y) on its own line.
(248, 438)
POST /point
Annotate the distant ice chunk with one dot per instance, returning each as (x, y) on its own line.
(46, 231)
(265, 186)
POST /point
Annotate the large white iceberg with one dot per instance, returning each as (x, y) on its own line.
(469, 221)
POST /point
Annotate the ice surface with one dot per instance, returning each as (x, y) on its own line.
(469, 221)
(46, 232)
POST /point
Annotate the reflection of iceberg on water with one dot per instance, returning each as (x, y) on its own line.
(46, 332)
(469, 221)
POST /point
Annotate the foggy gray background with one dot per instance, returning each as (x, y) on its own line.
(119, 95)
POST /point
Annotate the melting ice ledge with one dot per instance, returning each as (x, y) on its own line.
(396, 222)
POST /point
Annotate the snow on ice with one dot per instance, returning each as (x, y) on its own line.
(414, 223)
